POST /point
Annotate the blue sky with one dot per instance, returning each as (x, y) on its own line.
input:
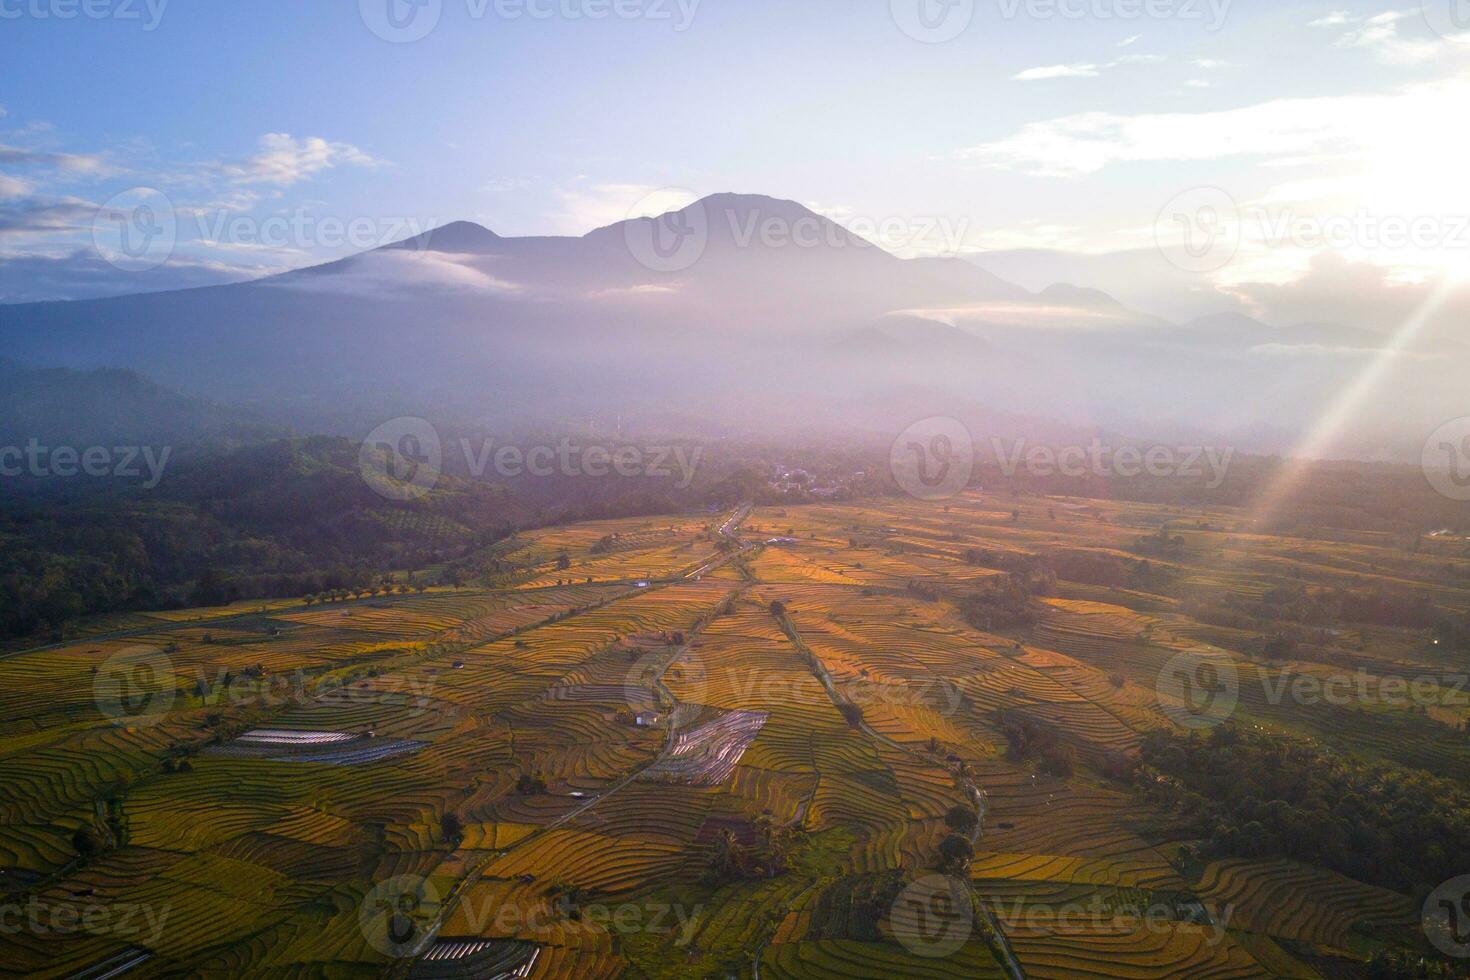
(1055, 124)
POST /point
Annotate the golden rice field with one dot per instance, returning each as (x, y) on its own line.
(636, 760)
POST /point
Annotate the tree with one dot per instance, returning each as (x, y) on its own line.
(86, 841)
(451, 829)
(727, 862)
(961, 819)
(955, 852)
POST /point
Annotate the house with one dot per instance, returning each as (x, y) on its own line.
(647, 719)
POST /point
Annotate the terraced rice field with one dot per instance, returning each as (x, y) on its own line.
(708, 754)
(612, 766)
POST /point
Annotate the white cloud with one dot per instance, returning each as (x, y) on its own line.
(284, 160)
(1057, 71)
(13, 187)
(624, 292)
(505, 185)
(42, 217)
(1084, 69)
(76, 164)
(1032, 235)
(1336, 351)
(81, 273)
(1029, 315)
(1085, 143)
(1200, 83)
(582, 208)
(1338, 18)
(1370, 177)
(397, 272)
(1128, 42)
(1380, 35)
(1361, 294)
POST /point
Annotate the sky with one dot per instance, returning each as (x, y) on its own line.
(1299, 161)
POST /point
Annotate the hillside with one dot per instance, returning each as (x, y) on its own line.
(736, 293)
(693, 745)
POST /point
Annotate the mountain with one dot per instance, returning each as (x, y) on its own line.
(112, 407)
(1066, 294)
(736, 310)
(646, 305)
(459, 236)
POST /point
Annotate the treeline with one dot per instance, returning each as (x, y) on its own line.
(1254, 795)
(288, 518)
(1309, 622)
(1325, 494)
(1042, 571)
(1029, 740)
(293, 517)
(1008, 605)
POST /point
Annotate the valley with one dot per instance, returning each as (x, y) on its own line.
(807, 741)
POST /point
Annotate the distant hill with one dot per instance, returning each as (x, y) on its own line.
(739, 310)
(111, 406)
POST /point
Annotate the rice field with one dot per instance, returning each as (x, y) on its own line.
(768, 751)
